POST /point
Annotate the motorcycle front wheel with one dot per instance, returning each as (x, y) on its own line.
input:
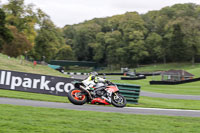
(76, 97)
(118, 100)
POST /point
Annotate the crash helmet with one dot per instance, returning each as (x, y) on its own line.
(94, 74)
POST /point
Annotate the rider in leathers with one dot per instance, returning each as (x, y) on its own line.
(93, 81)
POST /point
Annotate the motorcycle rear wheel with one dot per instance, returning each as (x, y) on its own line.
(118, 100)
(75, 98)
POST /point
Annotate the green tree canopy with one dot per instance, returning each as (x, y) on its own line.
(5, 34)
(22, 17)
(18, 46)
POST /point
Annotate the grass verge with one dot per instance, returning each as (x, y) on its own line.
(33, 96)
(22, 119)
(184, 89)
(149, 102)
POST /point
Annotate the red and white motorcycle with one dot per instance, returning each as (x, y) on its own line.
(109, 94)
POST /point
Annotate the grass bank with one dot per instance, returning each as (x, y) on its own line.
(7, 63)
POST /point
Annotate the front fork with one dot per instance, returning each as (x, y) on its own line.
(83, 88)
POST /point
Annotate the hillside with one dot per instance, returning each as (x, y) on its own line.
(7, 63)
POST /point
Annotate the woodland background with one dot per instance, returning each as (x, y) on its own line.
(171, 34)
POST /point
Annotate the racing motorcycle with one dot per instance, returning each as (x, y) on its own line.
(108, 94)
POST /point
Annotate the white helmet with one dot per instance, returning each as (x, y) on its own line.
(94, 74)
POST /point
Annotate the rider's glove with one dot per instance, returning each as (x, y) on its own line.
(108, 82)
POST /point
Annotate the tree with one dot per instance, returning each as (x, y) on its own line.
(98, 52)
(191, 31)
(156, 23)
(137, 52)
(5, 34)
(65, 53)
(112, 42)
(18, 46)
(69, 33)
(85, 35)
(178, 48)
(99, 48)
(22, 17)
(48, 41)
(132, 27)
(153, 45)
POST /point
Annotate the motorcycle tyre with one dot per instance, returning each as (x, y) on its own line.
(116, 104)
(74, 101)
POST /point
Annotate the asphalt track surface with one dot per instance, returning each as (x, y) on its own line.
(169, 96)
(98, 108)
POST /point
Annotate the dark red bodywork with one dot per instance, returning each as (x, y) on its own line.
(99, 100)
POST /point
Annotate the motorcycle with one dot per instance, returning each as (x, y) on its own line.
(108, 94)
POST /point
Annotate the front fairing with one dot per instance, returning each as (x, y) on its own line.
(112, 88)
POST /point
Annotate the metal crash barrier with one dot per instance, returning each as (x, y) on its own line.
(130, 92)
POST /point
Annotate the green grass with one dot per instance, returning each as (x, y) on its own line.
(160, 67)
(149, 102)
(184, 89)
(7, 63)
(32, 96)
(21, 119)
(163, 67)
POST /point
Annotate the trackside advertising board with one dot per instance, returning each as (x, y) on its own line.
(28, 82)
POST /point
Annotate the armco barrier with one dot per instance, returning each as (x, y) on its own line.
(111, 73)
(75, 73)
(133, 78)
(148, 73)
(137, 74)
(173, 82)
(130, 92)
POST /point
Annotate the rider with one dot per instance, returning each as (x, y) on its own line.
(94, 81)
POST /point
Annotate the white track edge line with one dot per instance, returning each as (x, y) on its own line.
(163, 109)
